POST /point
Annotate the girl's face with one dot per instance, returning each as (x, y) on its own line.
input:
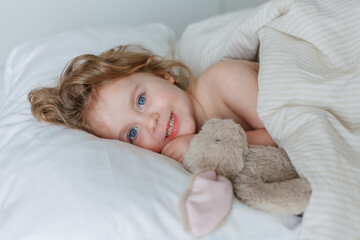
(144, 109)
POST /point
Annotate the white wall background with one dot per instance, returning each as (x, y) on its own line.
(22, 20)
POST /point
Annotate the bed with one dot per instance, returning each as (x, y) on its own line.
(1, 86)
(59, 183)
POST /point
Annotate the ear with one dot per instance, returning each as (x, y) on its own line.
(165, 75)
(207, 202)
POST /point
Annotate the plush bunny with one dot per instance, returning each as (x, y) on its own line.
(261, 177)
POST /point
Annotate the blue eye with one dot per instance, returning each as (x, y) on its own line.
(141, 101)
(132, 134)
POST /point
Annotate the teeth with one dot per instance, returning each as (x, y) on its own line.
(171, 126)
(169, 131)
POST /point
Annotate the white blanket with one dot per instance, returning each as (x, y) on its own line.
(309, 96)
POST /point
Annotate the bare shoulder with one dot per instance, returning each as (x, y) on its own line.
(228, 73)
(232, 65)
(231, 70)
(235, 83)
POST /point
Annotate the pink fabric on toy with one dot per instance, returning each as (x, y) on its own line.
(209, 202)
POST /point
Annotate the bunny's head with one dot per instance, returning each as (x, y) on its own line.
(221, 145)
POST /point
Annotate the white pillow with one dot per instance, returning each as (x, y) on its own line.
(44, 58)
(204, 43)
(59, 183)
(1, 86)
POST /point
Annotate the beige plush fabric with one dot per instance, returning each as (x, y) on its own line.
(262, 177)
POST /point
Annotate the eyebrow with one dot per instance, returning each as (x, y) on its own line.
(130, 103)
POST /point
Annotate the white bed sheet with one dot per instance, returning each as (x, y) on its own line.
(1, 86)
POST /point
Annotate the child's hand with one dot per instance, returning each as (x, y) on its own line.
(177, 148)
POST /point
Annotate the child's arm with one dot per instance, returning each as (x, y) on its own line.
(260, 137)
(237, 85)
(177, 147)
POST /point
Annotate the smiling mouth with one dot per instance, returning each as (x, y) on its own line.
(171, 125)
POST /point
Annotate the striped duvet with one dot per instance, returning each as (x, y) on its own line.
(309, 96)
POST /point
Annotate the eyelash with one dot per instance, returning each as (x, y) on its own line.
(138, 100)
(129, 134)
(141, 96)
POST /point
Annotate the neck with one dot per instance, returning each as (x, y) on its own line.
(199, 112)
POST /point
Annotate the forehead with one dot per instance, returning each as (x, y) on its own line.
(120, 88)
(108, 104)
(114, 86)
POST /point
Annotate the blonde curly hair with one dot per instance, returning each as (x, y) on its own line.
(69, 103)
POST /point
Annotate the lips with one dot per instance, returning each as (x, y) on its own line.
(175, 127)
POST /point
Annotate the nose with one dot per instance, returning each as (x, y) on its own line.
(152, 121)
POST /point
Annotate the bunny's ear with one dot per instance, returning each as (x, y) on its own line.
(207, 202)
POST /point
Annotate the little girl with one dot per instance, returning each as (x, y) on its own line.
(130, 94)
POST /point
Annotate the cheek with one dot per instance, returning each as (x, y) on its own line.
(187, 126)
(151, 145)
